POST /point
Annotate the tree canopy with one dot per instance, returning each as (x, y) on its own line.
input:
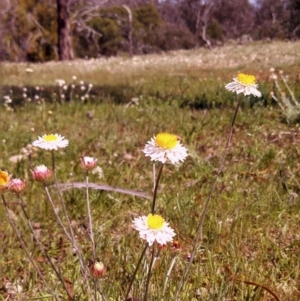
(31, 30)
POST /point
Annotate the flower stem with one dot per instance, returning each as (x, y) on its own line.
(71, 238)
(156, 188)
(135, 271)
(61, 198)
(12, 223)
(71, 234)
(99, 290)
(200, 225)
(59, 276)
(149, 273)
(169, 273)
(91, 229)
(90, 218)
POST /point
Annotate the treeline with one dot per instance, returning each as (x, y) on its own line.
(29, 28)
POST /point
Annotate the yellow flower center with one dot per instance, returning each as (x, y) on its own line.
(155, 221)
(246, 79)
(4, 178)
(50, 138)
(166, 140)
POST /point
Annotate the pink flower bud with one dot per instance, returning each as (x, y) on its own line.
(16, 185)
(98, 270)
(41, 173)
(88, 163)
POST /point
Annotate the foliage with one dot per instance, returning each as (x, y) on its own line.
(34, 26)
(214, 31)
(29, 29)
(172, 37)
(109, 35)
(294, 24)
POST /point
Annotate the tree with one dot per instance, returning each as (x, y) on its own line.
(198, 15)
(204, 8)
(272, 19)
(294, 28)
(64, 43)
(237, 18)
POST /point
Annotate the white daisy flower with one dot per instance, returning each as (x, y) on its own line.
(165, 146)
(51, 142)
(244, 83)
(153, 228)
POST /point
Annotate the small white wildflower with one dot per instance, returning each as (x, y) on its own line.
(244, 83)
(51, 142)
(165, 146)
(154, 228)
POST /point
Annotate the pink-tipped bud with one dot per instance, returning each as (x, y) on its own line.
(98, 270)
(16, 185)
(41, 173)
(88, 163)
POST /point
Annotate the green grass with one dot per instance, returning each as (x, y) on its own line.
(251, 231)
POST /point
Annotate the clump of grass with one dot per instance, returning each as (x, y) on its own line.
(285, 97)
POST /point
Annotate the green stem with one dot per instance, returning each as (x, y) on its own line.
(42, 248)
(149, 273)
(135, 271)
(91, 228)
(70, 234)
(169, 273)
(12, 223)
(90, 218)
(200, 226)
(156, 188)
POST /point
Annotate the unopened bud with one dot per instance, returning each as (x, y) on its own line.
(88, 163)
(98, 270)
(41, 173)
(16, 185)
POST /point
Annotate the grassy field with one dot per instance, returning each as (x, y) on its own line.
(251, 231)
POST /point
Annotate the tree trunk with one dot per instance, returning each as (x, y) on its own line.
(129, 34)
(202, 20)
(64, 44)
